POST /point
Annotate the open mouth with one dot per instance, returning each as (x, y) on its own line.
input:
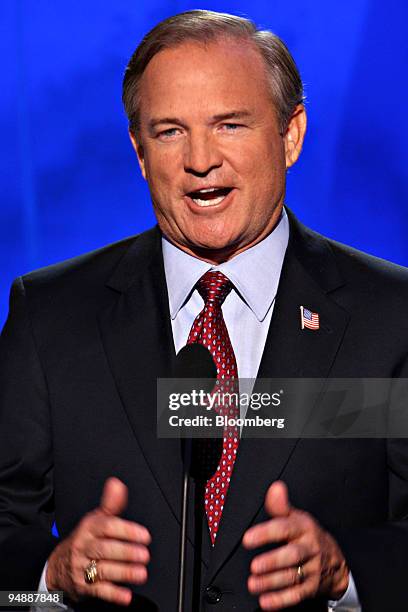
(210, 196)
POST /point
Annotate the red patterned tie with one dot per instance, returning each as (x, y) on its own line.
(209, 329)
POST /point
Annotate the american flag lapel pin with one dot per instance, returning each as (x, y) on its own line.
(309, 319)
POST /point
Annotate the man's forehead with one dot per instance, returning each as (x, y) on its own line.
(227, 52)
(202, 73)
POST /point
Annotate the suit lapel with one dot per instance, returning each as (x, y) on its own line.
(136, 333)
(309, 275)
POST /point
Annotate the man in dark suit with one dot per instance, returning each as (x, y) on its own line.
(216, 118)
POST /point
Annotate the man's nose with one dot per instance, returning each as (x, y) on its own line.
(201, 154)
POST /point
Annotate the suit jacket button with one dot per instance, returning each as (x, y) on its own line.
(212, 594)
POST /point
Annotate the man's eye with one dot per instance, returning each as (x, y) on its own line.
(168, 133)
(231, 127)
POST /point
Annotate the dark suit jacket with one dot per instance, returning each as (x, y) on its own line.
(80, 353)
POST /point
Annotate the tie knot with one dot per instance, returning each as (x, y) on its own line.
(214, 287)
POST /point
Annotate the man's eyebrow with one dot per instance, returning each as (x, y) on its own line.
(164, 120)
(235, 114)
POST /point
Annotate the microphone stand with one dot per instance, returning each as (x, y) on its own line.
(184, 516)
(198, 539)
(200, 469)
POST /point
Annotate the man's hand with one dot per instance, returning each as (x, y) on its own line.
(275, 575)
(118, 546)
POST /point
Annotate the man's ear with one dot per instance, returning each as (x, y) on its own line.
(294, 135)
(139, 152)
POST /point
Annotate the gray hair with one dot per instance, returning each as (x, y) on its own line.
(204, 26)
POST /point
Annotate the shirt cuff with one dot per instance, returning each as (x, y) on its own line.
(349, 602)
(42, 588)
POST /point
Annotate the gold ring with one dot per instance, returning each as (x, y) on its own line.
(300, 575)
(91, 572)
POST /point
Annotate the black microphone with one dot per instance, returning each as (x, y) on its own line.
(195, 369)
(195, 362)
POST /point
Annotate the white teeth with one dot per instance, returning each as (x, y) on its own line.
(209, 190)
(208, 202)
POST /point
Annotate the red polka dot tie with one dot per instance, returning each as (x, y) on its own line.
(209, 329)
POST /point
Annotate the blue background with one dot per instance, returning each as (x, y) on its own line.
(68, 176)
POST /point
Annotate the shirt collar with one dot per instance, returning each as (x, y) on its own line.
(254, 273)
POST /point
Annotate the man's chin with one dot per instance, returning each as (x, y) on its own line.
(209, 246)
(213, 251)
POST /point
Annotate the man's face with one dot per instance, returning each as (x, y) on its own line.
(210, 148)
